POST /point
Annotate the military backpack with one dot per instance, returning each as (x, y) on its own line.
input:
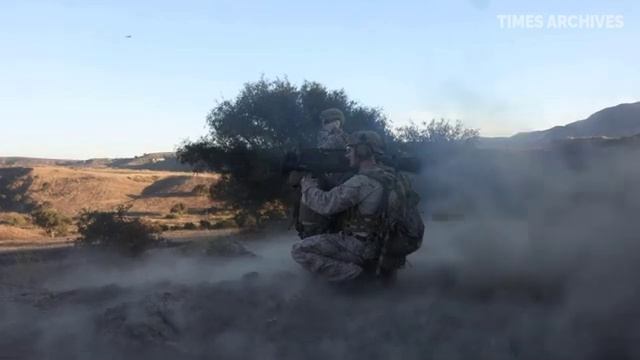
(402, 224)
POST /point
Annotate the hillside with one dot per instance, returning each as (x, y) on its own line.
(69, 190)
(614, 122)
(162, 161)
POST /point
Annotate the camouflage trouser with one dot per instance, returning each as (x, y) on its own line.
(336, 257)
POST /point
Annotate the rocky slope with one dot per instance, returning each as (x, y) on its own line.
(614, 122)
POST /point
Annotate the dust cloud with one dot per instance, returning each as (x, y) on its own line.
(542, 265)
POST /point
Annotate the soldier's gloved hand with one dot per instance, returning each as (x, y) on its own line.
(308, 182)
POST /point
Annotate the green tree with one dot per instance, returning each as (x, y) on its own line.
(248, 137)
(435, 141)
(51, 220)
(436, 132)
(439, 145)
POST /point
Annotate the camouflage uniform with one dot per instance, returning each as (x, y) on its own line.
(344, 255)
(332, 139)
(329, 137)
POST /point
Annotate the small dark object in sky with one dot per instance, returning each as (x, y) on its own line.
(128, 36)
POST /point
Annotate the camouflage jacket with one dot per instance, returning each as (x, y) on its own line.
(335, 139)
(358, 199)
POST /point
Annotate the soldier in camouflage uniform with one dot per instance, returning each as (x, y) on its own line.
(346, 254)
(330, 136)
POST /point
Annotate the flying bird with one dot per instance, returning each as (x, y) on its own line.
(128, 36)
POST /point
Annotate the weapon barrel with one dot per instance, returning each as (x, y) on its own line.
(334, 161)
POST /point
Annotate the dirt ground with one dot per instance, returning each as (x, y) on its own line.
(474, 291)
(36, 240)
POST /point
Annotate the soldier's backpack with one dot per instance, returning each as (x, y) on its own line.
(402, 228)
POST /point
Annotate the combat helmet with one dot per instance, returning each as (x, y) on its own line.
(331, 114)
(369, 138)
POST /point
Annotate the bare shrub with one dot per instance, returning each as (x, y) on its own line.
(190, 226)
(200, 190)
(178, 208)
(224, 224)
(205, 224)
(15, 219)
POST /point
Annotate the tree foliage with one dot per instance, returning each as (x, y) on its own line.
(53, 222)
(278, 115)
(249, 135)
(436, 132)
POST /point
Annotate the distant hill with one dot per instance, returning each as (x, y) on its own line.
(163, 161)
(614, 122)
(28, 161)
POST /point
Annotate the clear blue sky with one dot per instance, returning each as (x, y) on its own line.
(72, 85)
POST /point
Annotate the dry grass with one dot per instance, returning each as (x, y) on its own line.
(150, 195)
(13, 238)
(70, 190)
(8, 232)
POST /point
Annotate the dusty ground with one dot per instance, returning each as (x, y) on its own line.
(37, 240)
(475, 290)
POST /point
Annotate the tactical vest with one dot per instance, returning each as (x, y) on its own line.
(311, 223)
(368, 227)
(397, 227)
(308, 222)
(363, 227)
